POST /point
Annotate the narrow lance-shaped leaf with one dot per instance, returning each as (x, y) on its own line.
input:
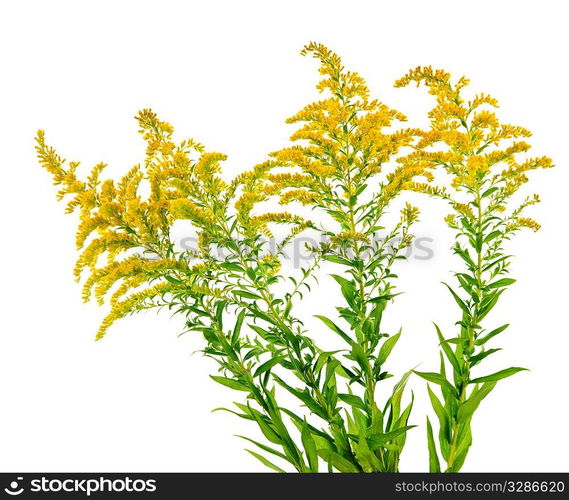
(508, 372)
(335, 328)
(493, 333)
(437, 378)
(266, 462)
(309, 448)
(231, 383)
(387, 347)
(434, 464)
(378, 440)
(447, 350)
(337, 461)
(458, 300)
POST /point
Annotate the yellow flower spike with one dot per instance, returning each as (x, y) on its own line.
(204, 241)
(286, 180)
(349, 237)
(187, 209)
(463, 209)
(302, 196)
(524, 222)
(272, 263)
(410, 213)
(450, 219)
(208, 165)
(529, 223)
(86, 228)
(136, 302)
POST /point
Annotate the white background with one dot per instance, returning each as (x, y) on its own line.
(228, 74)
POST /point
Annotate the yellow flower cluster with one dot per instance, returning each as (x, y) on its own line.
(336, 164)
(124, 235)
(349, 237)
(258, 224)
(468, 141)
(410, 213)
(272, 263)
(341, 147)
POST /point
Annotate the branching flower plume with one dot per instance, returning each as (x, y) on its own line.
(481, 158)
(348, 161)
(336, 165)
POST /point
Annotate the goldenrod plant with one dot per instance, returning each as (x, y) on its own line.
(480, 157)
(336, 166)
(239, 299)
(348, 161)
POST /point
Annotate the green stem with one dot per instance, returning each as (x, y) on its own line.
(465, 375)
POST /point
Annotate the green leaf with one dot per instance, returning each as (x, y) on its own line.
(495, 262)
(382, 298)
(260, 314)
(267, 430)
(394, 402)
(444, 420)
(493, 333)
(335, 328)
(246, 295)
(488, 304)
(376, 441)
(309, 447)
(474, 360)
(434, 464)
(448, 351)
(463, 444)
(402, 421)
(458, 300)
(437, 378)
(266, 462)
(337, 461)
(240, 415)
(501, 283)
(173, 280)
(508, 372)
(238, 325)
(361, 358)
(266, 448)
(219, 308)
(267, 365)
(231, 383)
(353, 400)
(348, 288)
(336, 259)
(261, 331)
(467, 409)
(488, 192)
(233, 266)
(316, 433)
(465, 256)
(323, 359)
(492, 235)
(330, 379)
(386, 348)
(367, 460)
(304, 396)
